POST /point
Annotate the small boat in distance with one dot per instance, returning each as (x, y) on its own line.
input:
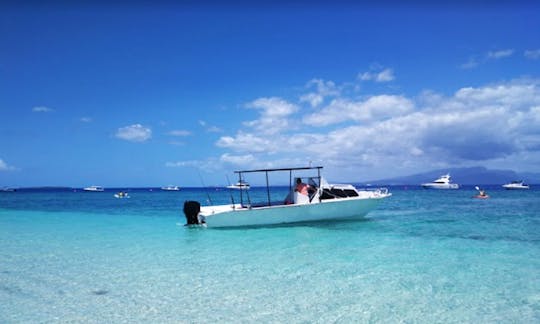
(443, 182)
(121, 195)
(8, 189)
(515, 185)
(94, 189)
(312, 201)
(170, 188)
(239, 185)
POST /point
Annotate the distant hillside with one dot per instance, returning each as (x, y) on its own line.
(465, 176)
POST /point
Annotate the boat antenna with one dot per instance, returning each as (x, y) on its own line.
(205, 187)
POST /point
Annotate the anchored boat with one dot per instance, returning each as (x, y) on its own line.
(94, 189)
(515, 185)
(442, 183)
(320, 201)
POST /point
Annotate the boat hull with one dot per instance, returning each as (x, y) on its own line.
(440, 186)
(513, 187)
(338, 209)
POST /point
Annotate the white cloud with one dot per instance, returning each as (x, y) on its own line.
(134, 133)
(86, 119)
(209, 128)
(5, 167)
(385, 75)
(246, 159)
(323, 89)
(470, 64)
(373, 108)
(179, 133)
(476, 60)
(532, 54)
(388, 134)
(42, 109)
(500, 54)
(274, 113)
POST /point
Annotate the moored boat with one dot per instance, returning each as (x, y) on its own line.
(239, 185)
(94, 189)
(170, 188)
(443, 182)
(321, 202)
(515, 185)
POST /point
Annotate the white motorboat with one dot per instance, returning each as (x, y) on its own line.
(170, 188)
(94, 189)
(514, 185)
(443, 182)
(239, 185)
(324, 202)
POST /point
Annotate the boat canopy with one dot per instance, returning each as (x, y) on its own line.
(266, 171)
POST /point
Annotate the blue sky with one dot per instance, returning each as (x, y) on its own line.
(144, 95)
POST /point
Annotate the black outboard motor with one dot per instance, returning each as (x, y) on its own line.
(191, 210)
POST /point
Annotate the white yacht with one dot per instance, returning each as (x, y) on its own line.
(324, 202)
(94, 189)
(515, 185)
(170, 188)
(239, 185)
(443, 182)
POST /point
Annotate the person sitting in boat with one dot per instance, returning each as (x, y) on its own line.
(301, 187)
(482, 193)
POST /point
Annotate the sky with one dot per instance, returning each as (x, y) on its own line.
(152, 94)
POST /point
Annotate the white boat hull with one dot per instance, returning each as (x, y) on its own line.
(334, 209)
(440, 186)
(515, 187)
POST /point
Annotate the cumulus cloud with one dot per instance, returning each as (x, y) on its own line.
(134, 133)
(385, 75)
(322, 89)
(5, 167)
(372, 108)
(392, 132)
(274, 113)
(42, 109)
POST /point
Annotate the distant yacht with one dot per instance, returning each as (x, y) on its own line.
(8, 189)
(170, 188)
(515, 185)
(239, 185)
(94, 189)
(442, 183)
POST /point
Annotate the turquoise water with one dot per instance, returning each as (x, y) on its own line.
(422, 256)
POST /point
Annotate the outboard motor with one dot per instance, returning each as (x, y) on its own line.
(191, 210)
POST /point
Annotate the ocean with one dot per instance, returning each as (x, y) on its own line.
(423, 256)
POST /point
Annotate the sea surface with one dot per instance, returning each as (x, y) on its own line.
(421, 257)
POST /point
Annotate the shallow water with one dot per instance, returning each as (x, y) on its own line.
(422, 256)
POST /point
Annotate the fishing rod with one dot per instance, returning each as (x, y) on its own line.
(230, 190)
(205, 188)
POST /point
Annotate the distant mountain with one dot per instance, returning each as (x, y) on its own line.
(464, 176)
